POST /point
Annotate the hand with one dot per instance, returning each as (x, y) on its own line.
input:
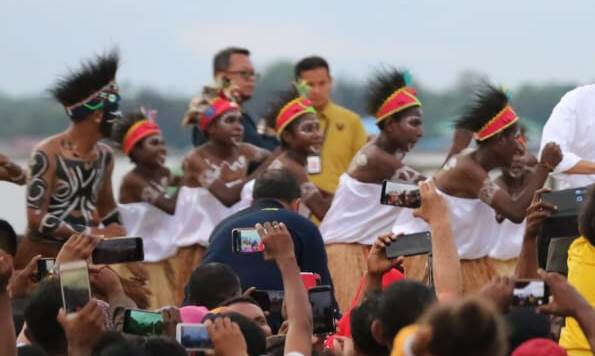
(171, 318)
(24, 280)
(551, 155)
(378, 263)
(343, 346)
(83, 329)
(499, 291)
(278, 244)
(3, 160)
(566, 300)
(78, 247)
(6, 270)
(227, 337)
(537, 212)
(105, 281)
(433, 206)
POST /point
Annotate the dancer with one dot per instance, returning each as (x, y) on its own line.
(12, 172)
(141, 140)
(69, 189)
(356, 217)
(221, 164)
(472, 195)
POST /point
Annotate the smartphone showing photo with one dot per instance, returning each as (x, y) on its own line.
(323, 316)
(45, 267)
(419, 243)
(400, 194)
(142, 322)
(530, 292)
(194, 337)
(246, 241)
(118, 250)
(74, 282)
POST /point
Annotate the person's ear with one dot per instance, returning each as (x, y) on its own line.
(295, 205)
(378, 333)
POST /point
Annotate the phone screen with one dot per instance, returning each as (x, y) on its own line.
(400, 194)
(247, 241)
(45, 267)
(529, 293)
(194, 337)
(410, 245)
(142, 322)
(74, 280)
(119, 250)
(321, 300)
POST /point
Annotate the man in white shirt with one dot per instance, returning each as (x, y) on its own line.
(572, 126)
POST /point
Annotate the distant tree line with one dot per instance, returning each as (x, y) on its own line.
(41, 116)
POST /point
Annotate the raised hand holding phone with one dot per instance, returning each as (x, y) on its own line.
(77, 247)
(277, 241)
(75, 285)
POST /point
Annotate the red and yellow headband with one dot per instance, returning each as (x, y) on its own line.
(291, 111)
(400, 100)
(137, 132)
(504, 119)
(218, 107)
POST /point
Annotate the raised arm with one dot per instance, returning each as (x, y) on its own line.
(278, 247)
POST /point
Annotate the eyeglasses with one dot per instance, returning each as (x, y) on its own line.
(246, 74)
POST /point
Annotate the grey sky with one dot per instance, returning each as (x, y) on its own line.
(169, 44)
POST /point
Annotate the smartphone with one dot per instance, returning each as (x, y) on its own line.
(568, 201)
(119, 250)
(530, 292)
(323, 316)
(246, 240)
(400, 194)
(557, 255)
(194, 337)
(269, 300)
(74, 282)
(310, 279)
(419, 243)
(142, 322)
(45, 267)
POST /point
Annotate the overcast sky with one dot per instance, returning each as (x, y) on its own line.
(168, 44)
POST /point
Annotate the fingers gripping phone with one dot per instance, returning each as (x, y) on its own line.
(530, 292)
(246, 241)
(143, 322)
(321, 299)
(119, 250)
(400, 194)
(75, 286)
(194, 337)
(45, 267)
(419, 243)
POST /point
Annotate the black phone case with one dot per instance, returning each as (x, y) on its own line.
(419, 243)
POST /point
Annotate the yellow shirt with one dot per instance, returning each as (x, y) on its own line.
(581, 274)
(344, 135)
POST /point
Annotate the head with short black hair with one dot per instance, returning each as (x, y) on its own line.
(8, 238)
(113, 343)
(402, 304)
(277, 184)
(586, 220)
(255, 338)
(361, 319)
(41, 312)
(212, 283)
(222, 59)
(249, 308)
(238, 299)
(79, 85)
(160, 345)
(309, 63)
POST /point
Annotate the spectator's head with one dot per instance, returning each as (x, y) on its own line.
(141, 139)
(465, 328)
(211, 284)
(525, 324)
(402, 304)
(493, 122)
(249, 308)
(278, 184)
(234, 64)
(396, 108)
(362, 317)
(316, 72)
(91, 93)
(296, 123)
(115, 344)
(40, 315)
(586, 221)
(255, 338)
(158, 346)
(8, 238)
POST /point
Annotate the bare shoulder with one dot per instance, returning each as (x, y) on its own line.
(49, 145)
(254, 153)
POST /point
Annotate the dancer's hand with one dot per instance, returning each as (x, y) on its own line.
(551, 156)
